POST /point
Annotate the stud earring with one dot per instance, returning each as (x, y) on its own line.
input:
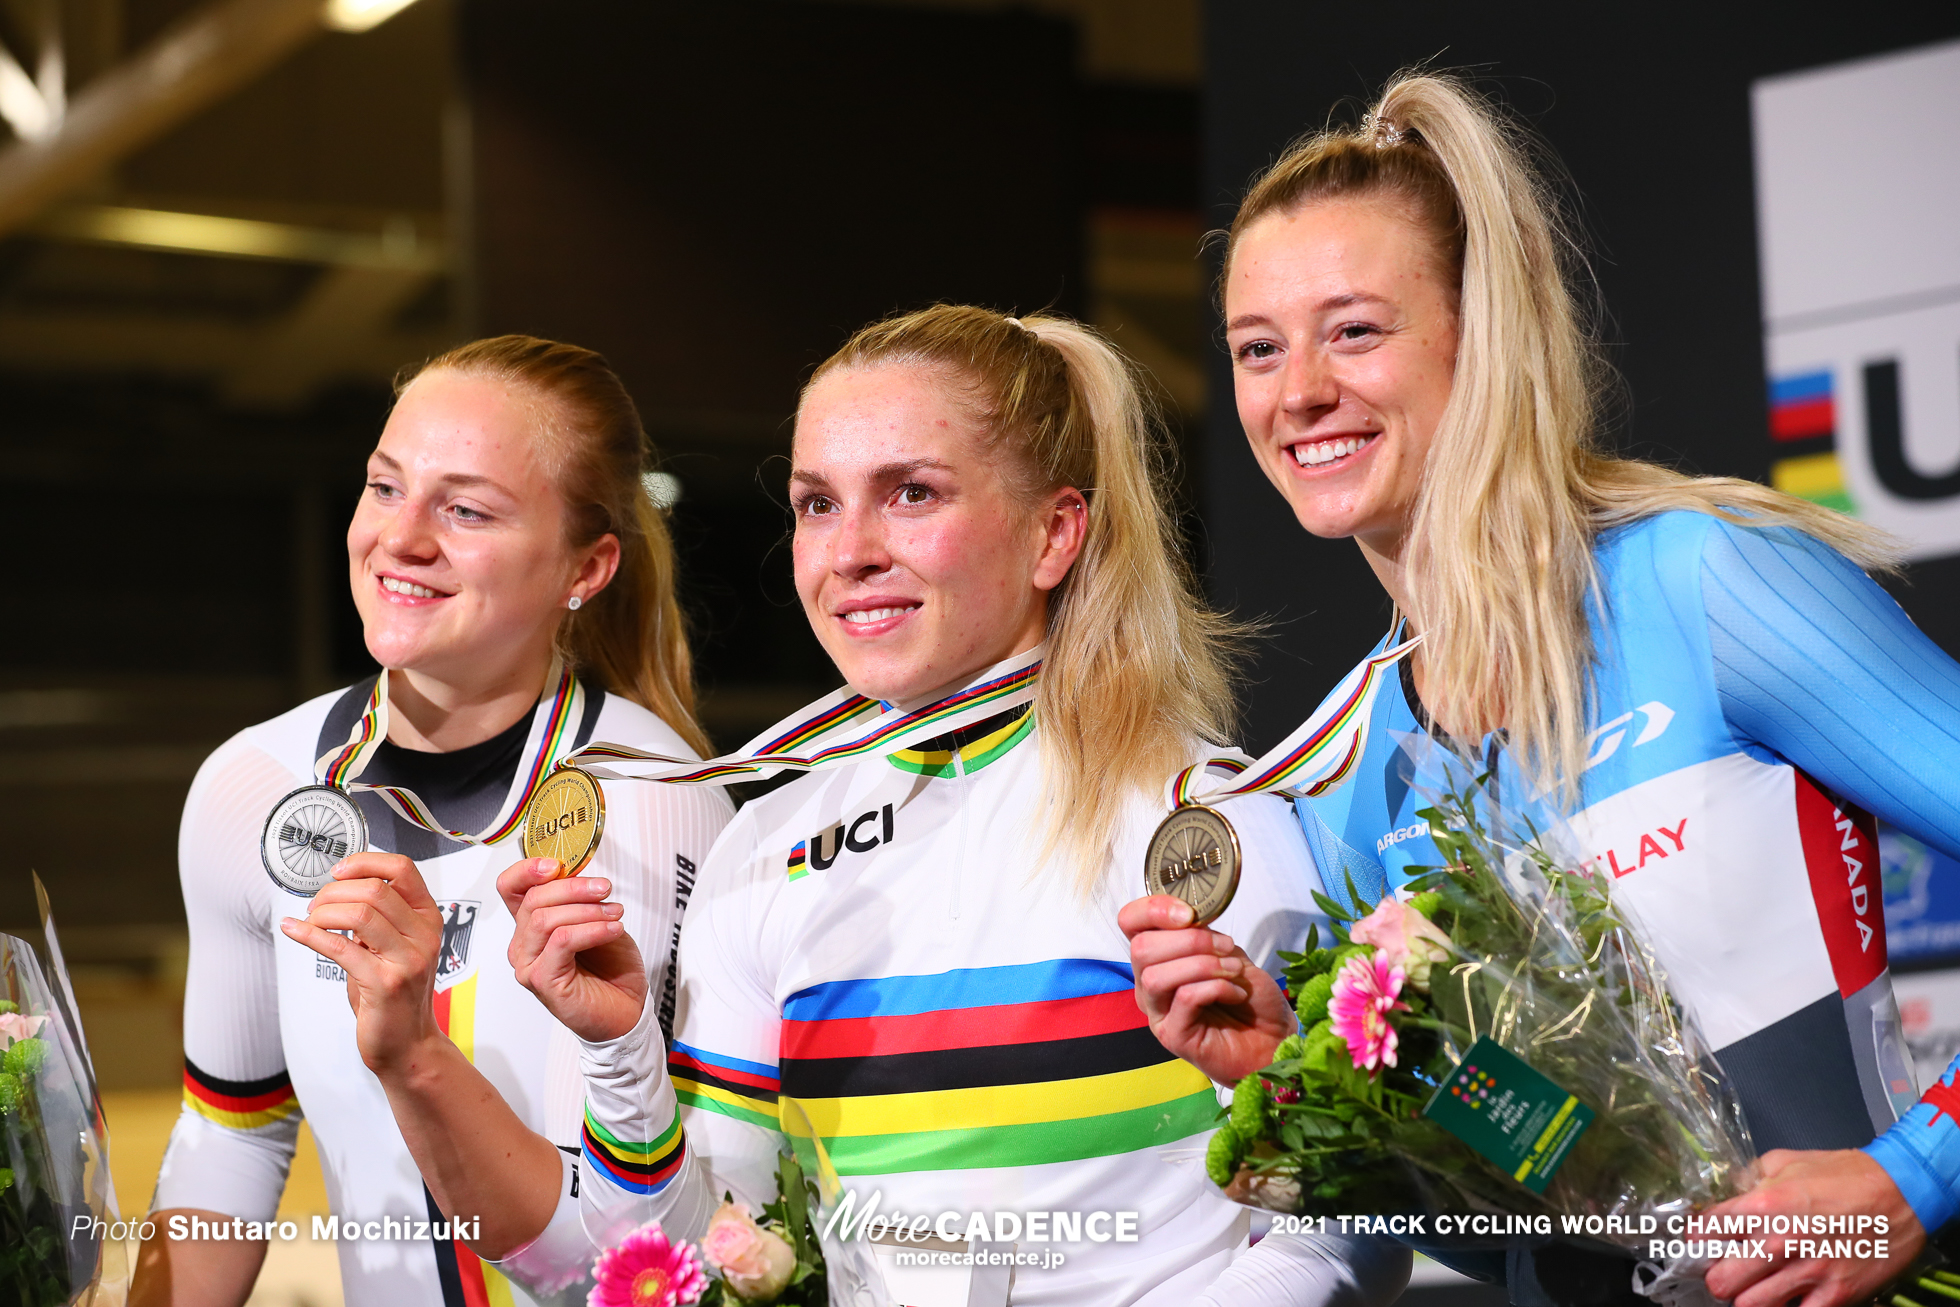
(575, 603)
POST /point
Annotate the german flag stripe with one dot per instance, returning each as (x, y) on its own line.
(974, 1067)
(968, 987)
(640, 1169)
(239, 1104)
(973, 1027)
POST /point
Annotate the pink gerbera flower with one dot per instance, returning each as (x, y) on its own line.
(644, 1270)
(1364, 994)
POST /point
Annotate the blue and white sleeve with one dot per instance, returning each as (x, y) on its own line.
(1817, 663)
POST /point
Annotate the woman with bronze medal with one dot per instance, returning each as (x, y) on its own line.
(1699, 673)
(910, 955)
(348, 952)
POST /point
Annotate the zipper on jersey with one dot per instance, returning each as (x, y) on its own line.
(959, 854)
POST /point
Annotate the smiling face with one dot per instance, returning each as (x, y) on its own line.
(1342, 330)
(917, 565)
(458, 554)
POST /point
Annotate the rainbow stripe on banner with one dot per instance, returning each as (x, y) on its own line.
(1803, 429)
(986, 1067)
(1801, 407)
(799, 860)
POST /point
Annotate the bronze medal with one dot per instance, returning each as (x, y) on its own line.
(564, 819)
(1194, 856)
(307, 834)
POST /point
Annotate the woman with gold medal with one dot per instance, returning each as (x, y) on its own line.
(348, 952)
(912, 952)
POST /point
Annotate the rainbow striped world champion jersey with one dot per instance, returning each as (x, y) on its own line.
(884, 952)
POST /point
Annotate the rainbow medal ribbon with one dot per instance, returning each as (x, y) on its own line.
(838, 729)
(310, 830)
(1194, 854)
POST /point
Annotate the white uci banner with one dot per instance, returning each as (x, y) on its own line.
(1858, 209)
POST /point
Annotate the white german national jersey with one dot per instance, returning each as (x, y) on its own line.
(269, 1034)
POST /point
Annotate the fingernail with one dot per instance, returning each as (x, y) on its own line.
(550, 866)
(1231, 966)
(1222, 944)
(602, 885)
(612, 909)
(1183, 914)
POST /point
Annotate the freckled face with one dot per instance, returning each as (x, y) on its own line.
(916, 565)
(457, 553)
(1343, 335)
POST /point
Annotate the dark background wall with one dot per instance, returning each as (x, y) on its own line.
(1648, 106)
(716, 196)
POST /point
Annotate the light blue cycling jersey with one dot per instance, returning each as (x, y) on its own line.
(1757, 699)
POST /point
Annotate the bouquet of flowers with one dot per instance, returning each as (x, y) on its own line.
(775, 1261)
(57, 1204)
(1499, 1042)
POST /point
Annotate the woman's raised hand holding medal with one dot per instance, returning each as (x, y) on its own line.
(571, 949)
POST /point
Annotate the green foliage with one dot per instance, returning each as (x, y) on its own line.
(789, 1216)
(1249, 1107)
(1223, 1155)
(1312, 1006)
(10, 1094)
(24, 1058)
(8, 1005)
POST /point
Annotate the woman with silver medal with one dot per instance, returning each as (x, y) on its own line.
(907, 962)
(1644, 651)
(348, 953)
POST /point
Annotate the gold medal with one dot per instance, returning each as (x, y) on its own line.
(1194, 856)
(564, 819)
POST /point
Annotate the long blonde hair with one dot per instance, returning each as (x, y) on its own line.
(1137, 669)
(630, 636)
(1498, 555)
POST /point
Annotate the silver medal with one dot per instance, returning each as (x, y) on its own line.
(308, 833)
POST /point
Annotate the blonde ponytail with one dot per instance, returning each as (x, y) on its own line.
(1137, 670)
(1498, 555)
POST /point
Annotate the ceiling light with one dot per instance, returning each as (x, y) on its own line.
(359, 15)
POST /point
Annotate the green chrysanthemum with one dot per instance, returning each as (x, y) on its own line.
(1251, 1105)
(1313, 1000)
(1223, 1155)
